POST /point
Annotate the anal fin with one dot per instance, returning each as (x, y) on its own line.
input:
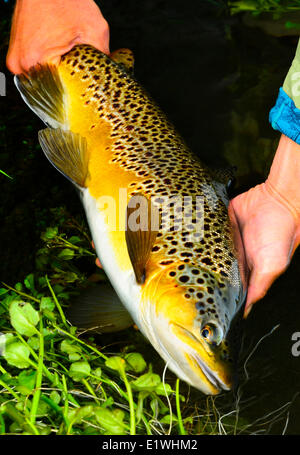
(98, 308)
(124, 57)
(67, 152)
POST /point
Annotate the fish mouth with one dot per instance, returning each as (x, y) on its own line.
(211, 376)
(201, 370)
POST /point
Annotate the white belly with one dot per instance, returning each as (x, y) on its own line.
(124, 282)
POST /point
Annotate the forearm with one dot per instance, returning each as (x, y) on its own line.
(285, 115)
(284, 176)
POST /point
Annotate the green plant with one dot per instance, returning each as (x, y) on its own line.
(277, 7)
(4, 173)
(52, 380)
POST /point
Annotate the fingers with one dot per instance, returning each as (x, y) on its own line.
(267, 267)
(270, 235)
(42, 31)
(97, 262)
(258, 287)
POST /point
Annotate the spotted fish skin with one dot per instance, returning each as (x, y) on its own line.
(193, 273)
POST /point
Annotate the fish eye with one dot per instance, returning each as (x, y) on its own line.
(206, 332)
(211, 333)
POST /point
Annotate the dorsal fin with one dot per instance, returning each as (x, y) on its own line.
(124, 57)
(142, 225)
(67, 152)
(225, 176)
(43, 92)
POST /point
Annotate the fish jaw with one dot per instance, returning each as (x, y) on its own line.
(173, 326)
(210, 371)
(189, 359)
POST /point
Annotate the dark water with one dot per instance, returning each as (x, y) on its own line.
(216, 79)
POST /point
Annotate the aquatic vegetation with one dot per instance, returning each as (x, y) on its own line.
(55, 379)
(4, 173)
(264, 6)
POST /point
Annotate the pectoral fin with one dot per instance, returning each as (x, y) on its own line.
(142, 225)
(99, 309)
(43, 92)
(124, 57)
(67, 152)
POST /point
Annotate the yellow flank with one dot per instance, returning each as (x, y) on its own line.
(132, 146)
(168, 296)
(105, 178)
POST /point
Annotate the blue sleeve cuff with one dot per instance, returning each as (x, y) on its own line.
(285, 116)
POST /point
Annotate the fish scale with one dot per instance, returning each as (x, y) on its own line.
(145, 151)
(192, 282)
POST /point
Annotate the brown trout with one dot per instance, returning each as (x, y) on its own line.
(175, 269)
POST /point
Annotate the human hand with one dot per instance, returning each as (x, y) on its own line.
(269, 219)
(42, 31)
(97, 261)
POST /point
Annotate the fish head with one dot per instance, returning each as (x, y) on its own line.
(188, 324)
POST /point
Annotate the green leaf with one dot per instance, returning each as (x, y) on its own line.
(43, 409)
(19, 286)
(111, 421)
(50, 233)
(17, 354)
(163, 389)
(115, 363)
(167, 419)
(97, 372)
(74, 357)
(47, 304)
(76, 415)
(73, 350)
(135, 362)
(66, 254)
(79, 370)
(9, 380)
(34, 343)
(74, 239)
(23, 318)
(109, 402)
(147, 382)
(29, 282)
(49, 315)
(55, 397)
(27, 379)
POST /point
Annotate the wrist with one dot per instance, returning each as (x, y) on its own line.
(284, 177)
